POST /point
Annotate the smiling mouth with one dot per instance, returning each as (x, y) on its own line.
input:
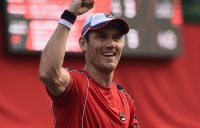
(108, 54)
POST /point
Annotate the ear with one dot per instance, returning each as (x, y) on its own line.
(83, 44)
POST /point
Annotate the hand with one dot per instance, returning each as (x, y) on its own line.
(79, 7)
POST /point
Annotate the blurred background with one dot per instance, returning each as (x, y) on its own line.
(159, 68)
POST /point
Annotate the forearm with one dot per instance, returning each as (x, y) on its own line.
(54, 52)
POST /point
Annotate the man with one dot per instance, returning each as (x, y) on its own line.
(87, 98)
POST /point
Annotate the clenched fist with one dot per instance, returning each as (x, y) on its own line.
(79, 7)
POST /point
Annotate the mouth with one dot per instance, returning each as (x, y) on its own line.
(108, 54)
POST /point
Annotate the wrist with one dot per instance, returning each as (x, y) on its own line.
(67, 19)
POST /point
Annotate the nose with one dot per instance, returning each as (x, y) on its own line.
(111, 44)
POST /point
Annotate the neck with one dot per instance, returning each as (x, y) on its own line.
(102, 78)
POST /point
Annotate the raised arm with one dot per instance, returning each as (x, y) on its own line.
(51, 72)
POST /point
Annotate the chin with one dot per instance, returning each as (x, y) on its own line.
(108, 68)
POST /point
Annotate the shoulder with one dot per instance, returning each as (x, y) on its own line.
(77, 78)
(122, 91)
(127, 98)
(75, 73)
(71, 70)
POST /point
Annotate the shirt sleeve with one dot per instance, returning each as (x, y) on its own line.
(75, 91)
(58, 99)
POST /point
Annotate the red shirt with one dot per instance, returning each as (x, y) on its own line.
(86, 104)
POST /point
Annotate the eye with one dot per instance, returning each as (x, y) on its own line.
(102, 36)
(117, 38)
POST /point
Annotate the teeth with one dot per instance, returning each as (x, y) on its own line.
(108, 54)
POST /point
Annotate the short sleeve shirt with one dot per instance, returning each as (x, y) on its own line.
(86, 104)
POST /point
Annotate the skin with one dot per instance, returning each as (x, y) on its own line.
(51, 72)
(99, 64)
(102, 53)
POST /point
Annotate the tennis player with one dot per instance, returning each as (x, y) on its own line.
(87, 98)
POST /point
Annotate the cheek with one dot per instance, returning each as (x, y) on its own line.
(93, 52)
(123, 43)
(95, 48)
(121, 46)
